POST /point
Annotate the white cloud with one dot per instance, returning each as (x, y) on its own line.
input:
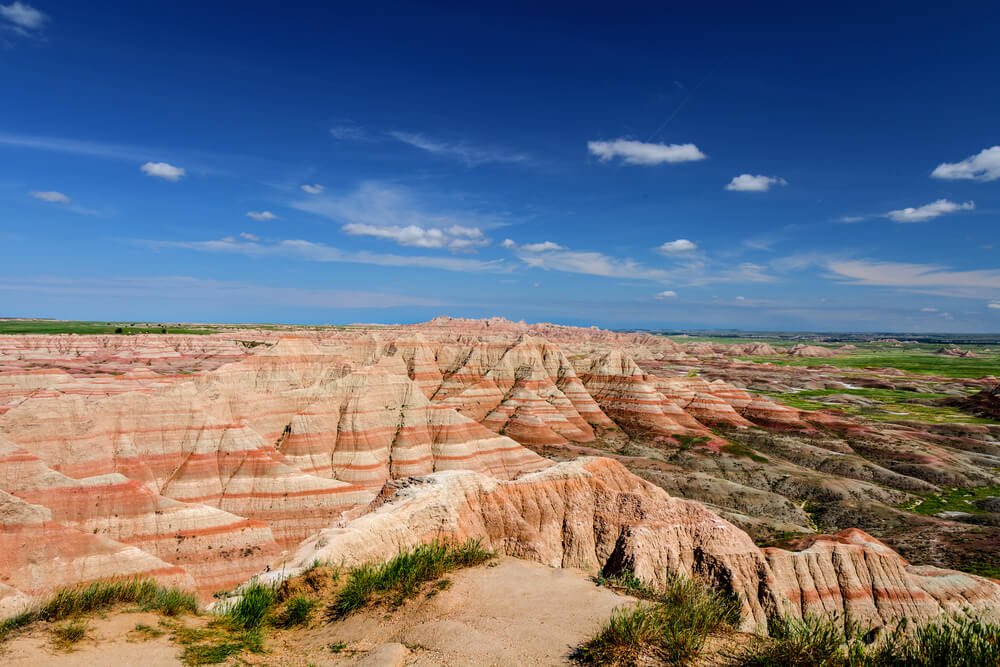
(508, 243)
(554, 257)
(851, 218)
(163, 170)
(994, 306)
(320, 252)
(50, 196)
(469, 155)
(678, 247)
(642, 153)
(23, 18)
(929, 211)
(378, 205)
(666, 294)
(751, 183)
(312, 188)
(455, 237)
(544, 246)
(930, 278)
(984, 166)
(249, 237)
(261, 216)
(928, 310)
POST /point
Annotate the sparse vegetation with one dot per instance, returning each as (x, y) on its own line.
(253, 608)
(402, 577)
(793, 642)
(670, 628)
(736, 449)
(297, 611)
(883, 405)
(64, 636)
(809, 642)
(145, 594)
(954, 500)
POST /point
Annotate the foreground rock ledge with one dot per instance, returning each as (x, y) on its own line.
(591, 513)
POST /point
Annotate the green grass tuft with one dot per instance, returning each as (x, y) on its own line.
(65, 603)
(671, 631)
(253, 608)
(402, 577)
(793, 642)
(297, 611)
(67, 634)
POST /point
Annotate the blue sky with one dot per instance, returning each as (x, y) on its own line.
(769, 166)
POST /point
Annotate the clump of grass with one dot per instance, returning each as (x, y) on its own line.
(147, 631)
(812, 641)
(401, 577)
(253, 608)
(67, 634)
(297, 611)
(671, 631)
(337, 647)
(65, 603)
(794, 642)
(216, 642)
(952, 642)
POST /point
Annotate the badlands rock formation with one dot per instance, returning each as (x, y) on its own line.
(202, 460)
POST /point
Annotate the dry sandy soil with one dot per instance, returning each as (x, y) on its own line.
(513, 613)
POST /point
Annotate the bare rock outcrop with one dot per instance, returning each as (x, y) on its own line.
(592, 513)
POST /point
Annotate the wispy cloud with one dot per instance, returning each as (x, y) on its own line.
(22, 18)
(929, 211)
(666, 294)
(77, 147)
(203, 162)
(751, 183)
(455, 237)
(467, 154)
(690, 268)
(261, 216)
(642, 153)
(349, 131)
(50, 196)
(983, 166)
(995, 305)
(399, 214)
(678, 247)
(312, 189)
(924, 277)
(63, 201)
(186, 289)
(320, 252)
(557, 258)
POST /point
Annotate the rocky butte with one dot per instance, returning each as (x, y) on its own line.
(205, 460)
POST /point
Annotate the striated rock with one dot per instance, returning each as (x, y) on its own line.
(592, 513)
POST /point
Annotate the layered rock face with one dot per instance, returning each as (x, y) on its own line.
(201, 460)
(592, 513)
